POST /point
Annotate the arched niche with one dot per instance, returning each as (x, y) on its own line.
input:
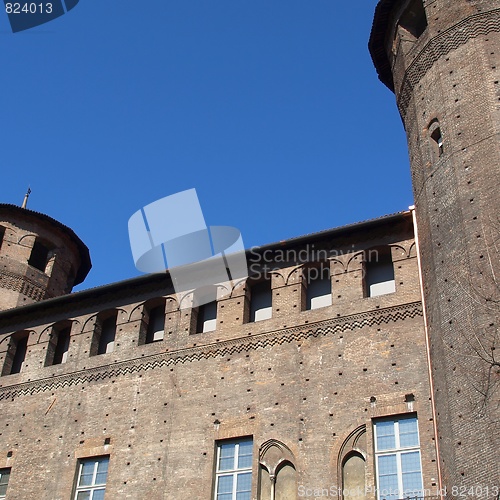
(352, 465)
(277, 473)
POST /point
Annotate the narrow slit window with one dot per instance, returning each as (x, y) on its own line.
(156, 325)
(103, 341)
(2, 234)
(17, 353)
(379, 272)
(437, 137)
(261, 301)
(62, 346)
(207, 317)
(319, 287)
(107, 340)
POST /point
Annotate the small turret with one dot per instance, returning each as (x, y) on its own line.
(40, 258)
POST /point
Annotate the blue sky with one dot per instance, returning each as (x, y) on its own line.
(271, 109)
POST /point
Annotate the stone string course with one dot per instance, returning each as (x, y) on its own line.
(230, 347)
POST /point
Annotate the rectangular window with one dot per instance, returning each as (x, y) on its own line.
(234, 470)
(398, 465)
(39, 256)
(91, 480)
(4, 481)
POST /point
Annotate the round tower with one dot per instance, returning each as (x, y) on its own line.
(441, 59)
(40, 258)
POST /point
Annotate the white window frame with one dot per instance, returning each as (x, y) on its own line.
(397, 451)
(235, 471)
(4, 472)
(93, 487)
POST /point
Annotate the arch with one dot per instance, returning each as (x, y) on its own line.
(334, 261)
(358, 257)
(400, 247)
(353, 476)
(238, 288)
(436, 138)
(277, 472)
(27, 236)
(295, 270)
(412, 252)
(285, 482)
(351, 463)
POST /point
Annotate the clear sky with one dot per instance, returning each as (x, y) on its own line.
(271, 109)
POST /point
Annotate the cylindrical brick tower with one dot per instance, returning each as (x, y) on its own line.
(40, 258)
(442, 60)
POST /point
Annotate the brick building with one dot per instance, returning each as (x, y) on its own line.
(441, 59)
(326, 373)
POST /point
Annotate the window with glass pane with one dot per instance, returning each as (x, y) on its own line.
(4, 481)
(234, 470)
(91, 482)
(397, 448)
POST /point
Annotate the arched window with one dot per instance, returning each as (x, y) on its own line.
(352, 465)
(277, 474)
(353, 476)
(436, 137)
